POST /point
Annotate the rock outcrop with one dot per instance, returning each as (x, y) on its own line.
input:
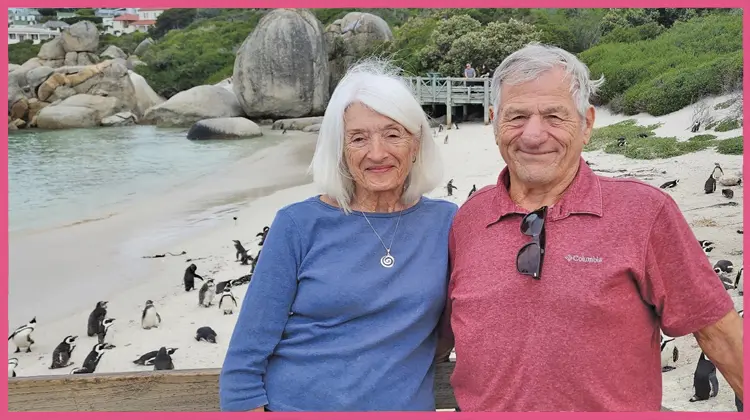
(224, 128)
(79, 111)
(350, 38)
(281, 69)
(192, 105)
(296, 123)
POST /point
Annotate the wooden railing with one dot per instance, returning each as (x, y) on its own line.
(453, 91)
(171, 391)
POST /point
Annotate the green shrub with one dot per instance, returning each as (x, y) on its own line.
(726, 104)
(727, 124)
(731, 146)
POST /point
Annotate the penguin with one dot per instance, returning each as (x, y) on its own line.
(724, 265)
(12, 365)
(147, 359)
(455, 125)
(205, 334)
(163, 361)
(63, 352)
(22, 336)
(710, 185)
(284, 132)
(738, 283)
(708, 249)
(150, 318)
(717, 173)
(450, 187)
(704, 380)
(642, 135)
(96, 317)
(621, 142)
(92, 359)
(445, 140)
(221, 285)
(263, 234)
(440, 128)
(241, 254)
(473, 190)
(727, 193)
(704, 243)
(669, 353)
(740, 231)
(227, 302)
(104, 329)
(669, 184)
(206, 294)
(726, 281)
(189, 278)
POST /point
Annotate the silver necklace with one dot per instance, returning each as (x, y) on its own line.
(387, 260)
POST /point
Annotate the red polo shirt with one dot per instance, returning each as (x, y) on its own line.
(621, 262)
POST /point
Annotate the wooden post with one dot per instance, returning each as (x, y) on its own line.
(448, 103)
(419, 90)
(486, 101)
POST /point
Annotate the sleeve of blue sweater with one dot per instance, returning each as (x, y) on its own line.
(262, 318)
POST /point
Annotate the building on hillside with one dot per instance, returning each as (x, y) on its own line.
(65, 15)
(122, 24)
(147, 14)
(110, 13)
(35, 33)
(55, 24)
(23, 16)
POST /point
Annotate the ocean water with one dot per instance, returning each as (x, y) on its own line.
(62, 177)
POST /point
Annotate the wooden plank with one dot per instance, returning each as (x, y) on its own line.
(173, 391)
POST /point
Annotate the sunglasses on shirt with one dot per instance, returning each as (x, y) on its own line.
(531, 256)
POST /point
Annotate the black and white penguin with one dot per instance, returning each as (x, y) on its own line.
(725, 266)
(445, 140)
(96, 317)
(726, 281)
(704, 380)
(669, 353)
(727, 193)
(104, 330)
(707, 249)
(206, 294)
(92, 359)
(163, 361)
(717, 173)
(710, 185)
(147, 359)
(188, 279)
(473, 190)
(262, 234)
(621, 142)
(669, 184)
(205, 334)
(22, 336)
(150, 318)
(227, 302)
(704, 243)
(12, 365)
(63, 352)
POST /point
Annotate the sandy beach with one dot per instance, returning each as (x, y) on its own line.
(278, 178)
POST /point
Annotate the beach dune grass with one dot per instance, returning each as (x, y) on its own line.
(653, 147)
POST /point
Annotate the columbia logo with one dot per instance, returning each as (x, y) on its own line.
(583, 259)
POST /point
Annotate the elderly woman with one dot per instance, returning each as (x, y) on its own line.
(342, 311)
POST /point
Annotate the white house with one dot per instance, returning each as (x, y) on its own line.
(37, 34)
(127, 23)
(150, 14)
(23, 16)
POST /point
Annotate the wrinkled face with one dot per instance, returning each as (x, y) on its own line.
(539, 131)
(377, 150)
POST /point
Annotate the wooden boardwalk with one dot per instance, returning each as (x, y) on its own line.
(149, 391)
(454, 91)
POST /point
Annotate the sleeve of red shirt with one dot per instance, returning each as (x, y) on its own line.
(679, 280)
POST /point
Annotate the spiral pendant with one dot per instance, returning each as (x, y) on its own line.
(387, 261)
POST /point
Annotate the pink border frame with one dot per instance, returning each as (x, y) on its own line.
(341, 4)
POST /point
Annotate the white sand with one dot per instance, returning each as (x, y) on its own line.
(471, 157)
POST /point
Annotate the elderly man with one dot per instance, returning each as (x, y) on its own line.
(562, 279)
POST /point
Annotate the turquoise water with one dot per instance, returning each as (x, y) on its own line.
(61, 177)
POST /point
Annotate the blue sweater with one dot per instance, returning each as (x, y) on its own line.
(325, 327)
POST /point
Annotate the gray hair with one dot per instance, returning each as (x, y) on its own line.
(378, 85)
(534, 59)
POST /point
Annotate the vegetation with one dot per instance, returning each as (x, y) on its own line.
(727, 125)
(652, 147)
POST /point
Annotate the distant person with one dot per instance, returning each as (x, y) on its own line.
(343, 308)
(572, 321)
(469, 71)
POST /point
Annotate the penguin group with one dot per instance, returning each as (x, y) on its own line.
(99, 326)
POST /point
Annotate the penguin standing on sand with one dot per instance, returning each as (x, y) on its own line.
(669, 353)
(96, 317)
(206, 294)
(704, 243)
(104, 328)
(92, 359)
(150, 318)
(22, 336)
(473, 190)
(263, 234)
(227, 302)
(163, 361)
(717, 173)
(189, 278)
(710, 186)
(205, 334)
(726, 281)
(450, 187)
(63, 352)
(148, 359)
(12, 365)
(704, 380)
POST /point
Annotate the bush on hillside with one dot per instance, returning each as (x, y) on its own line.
(23, 51)
(733, 146)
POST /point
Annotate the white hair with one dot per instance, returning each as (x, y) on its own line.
(376, 84)
(534, 59)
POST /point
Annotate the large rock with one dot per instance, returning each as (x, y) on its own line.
(224, 128)
(351, 38)
(12, 67)
(38, 76)
(80, 37)
(143, 46)
(281, 69)
(296, 123)
(71, 59)
(192, 105)
(52, 50)
(114, 52)
(109, 79)
(120, 119)
(145, 96)
(79, 111)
